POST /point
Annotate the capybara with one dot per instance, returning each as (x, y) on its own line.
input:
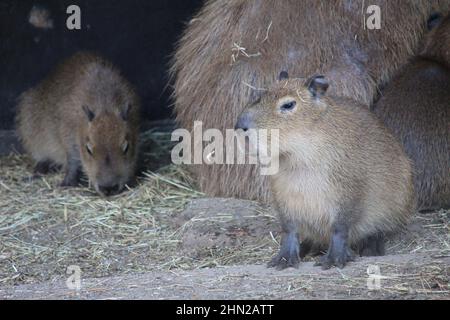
(415, 105)
(84, 117)
(231, 49)
(344, 181)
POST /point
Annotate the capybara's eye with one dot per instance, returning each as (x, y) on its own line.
(125, 147)
(288, 106)
(89, 148)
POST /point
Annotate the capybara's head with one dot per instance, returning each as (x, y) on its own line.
(437, 41)
(293, 106)
(108, 149)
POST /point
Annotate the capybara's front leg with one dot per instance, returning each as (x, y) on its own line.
(72, 173)
(289, 254)
(339, 252)
(291, 251)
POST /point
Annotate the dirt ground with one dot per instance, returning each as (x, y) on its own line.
(419, 276)
(165, 240)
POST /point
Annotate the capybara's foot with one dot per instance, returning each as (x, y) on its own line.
(132, 182)
(372, 246)
(72, 176)
(289, 255)
(68, 183)
(335, 259)
(45, 167)
(284, 260)
(41, 168)
(338, 253)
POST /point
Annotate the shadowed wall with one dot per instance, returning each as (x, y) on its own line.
(137, 35)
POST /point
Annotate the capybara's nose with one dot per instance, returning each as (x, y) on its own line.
(244, 122)
(109, 190)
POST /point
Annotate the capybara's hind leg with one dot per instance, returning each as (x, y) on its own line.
(73, 173)
(41, 168)
(372, 246)
(339, 253)
(305, 248)
(45, 167)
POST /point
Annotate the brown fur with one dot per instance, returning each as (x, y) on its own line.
(54, 126)
(302, 37)
(416, 107)
(437, 43)
(338, 164)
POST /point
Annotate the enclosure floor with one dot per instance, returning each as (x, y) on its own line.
(418, 276)
(166, 240)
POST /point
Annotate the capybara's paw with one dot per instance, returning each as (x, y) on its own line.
(289, 255)
(29, 179)
(372, 246)
(45, 167)
(284, 260)
(335, 259)
(67, 182)
(72, 176)
(370, 252)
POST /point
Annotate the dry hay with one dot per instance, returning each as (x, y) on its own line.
(45, 228)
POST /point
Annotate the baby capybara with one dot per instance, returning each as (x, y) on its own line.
(344, 180)
(416, 107)
(84, 117)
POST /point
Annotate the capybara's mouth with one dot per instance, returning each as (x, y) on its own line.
(110, 190)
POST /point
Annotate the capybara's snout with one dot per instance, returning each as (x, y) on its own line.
(245, 121)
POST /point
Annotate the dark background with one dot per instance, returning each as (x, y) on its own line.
(139, 36)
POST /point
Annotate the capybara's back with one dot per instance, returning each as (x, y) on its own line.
(85, 117)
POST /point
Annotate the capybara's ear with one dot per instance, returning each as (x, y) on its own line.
(317, 85)
(434, 20)
(283, 76)
(125, 112)
(89, 113)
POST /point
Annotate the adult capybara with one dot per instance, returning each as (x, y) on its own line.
(344, 181)
(85, 117)
(416, 107)
(231, 49)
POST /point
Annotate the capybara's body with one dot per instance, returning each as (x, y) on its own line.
(416, 107)
(233, 48)
(84, 117)
(344, 180)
